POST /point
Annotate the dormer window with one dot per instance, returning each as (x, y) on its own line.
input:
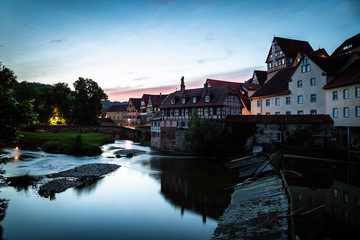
(194, 99)
(207, 98)
(183, 100)
(173, 101)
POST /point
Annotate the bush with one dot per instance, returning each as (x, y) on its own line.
(74, 146)
(22, 182)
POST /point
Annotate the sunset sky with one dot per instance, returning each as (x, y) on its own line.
(135, 47)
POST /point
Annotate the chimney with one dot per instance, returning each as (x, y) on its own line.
(182, 86)
(206, 87)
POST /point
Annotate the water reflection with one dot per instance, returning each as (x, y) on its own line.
(195, 184)
(324, 183)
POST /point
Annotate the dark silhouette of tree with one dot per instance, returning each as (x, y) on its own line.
(13, 114)
(87, 101)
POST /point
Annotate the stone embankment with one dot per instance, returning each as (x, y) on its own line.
(257, 205)
(77, 176)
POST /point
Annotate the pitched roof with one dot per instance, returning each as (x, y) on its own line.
(330, 65)
(136, 102)
(216, 83)
(217, 97)
(156, 100)
(261, 76)
(354, 41)
(117, 108)
(277, 85)
(320, 53)
(351, 75)
(291, 47)
(306, 118)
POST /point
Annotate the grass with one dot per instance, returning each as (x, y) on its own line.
(91, 138)
(22, 182)
(71, 143)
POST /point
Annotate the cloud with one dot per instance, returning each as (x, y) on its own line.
(57, 41)
(140, 78)
(204, 60)
(162, 2)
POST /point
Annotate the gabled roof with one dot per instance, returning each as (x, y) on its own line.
(117, 108)
(294, 119)
(291, 47)
(217, 97)
(277, 85)
(354, 41)
(156, 100)
(330, 65)
(351, 75)
(136, 102)
(320, 53)
(261, 76)
(216, 83)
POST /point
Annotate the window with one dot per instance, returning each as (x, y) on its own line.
(283, 61)
(258, 103)
(269, 65)
(335, 95)
(346, 112)
(346, 197)
(171, 112)
(173, 101)
(305, 66)
(183, 100)
(312, 201)
(335, 113)
(267, 113)
(227, 111)
(357, 111)
(357, 92)
(206, 111)
(288, 113)
(299, 83)
(312, 81)
(300, 112)
(313, 112)
(277, 101)
(288, 102)
(180, 112)
(346, 94)
(207, 98)
(194, 99)
(214, 111)
(300, 99)
(186, 112)
(267, 102)
(346, 215)
(299, 197)
(335, 193)
(277, 113)
(313, 98)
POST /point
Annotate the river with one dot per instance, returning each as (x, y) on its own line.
(151, 196)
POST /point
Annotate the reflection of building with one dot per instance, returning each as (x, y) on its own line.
(202, 192)
(339, 218)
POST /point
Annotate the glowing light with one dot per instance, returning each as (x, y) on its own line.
(16, 153)
(56, 119)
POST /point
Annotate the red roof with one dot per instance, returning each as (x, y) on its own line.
(216, 83)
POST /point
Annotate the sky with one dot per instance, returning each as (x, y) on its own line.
(140, 47)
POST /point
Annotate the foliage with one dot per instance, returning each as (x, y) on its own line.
(73, 146)
(210, 137)
(206, 136)
(13, 114)
(92, 138)
(87, 102)
(22, 182)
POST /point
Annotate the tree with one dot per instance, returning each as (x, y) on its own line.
(13, 114)
(87, 102)
(206, 136)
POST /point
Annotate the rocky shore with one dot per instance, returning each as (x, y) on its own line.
(81, 175)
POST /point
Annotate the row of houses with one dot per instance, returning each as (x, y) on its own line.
(298, 81)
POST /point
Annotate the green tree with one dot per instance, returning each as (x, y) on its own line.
(13, 114)
(87, 102)
(206, 137)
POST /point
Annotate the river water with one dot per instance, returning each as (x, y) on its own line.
(151, 196)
